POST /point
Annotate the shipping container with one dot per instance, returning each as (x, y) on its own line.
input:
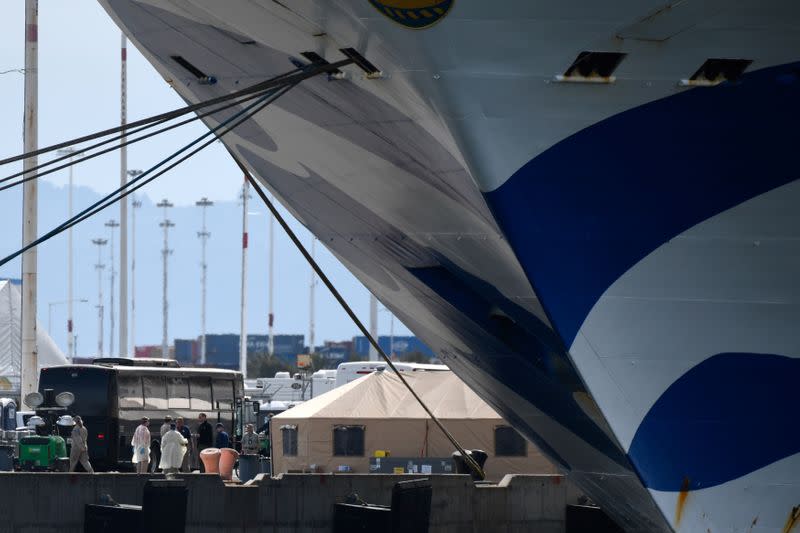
(222, 351)
(402, 345)
(186, 351)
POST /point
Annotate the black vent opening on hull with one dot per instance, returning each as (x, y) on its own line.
(593, 67)
(201, 76)
(717, 70)
(362, 62)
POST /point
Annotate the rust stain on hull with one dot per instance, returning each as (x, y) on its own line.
(794, 518)
(682, 497)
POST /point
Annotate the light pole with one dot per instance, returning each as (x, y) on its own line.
(165, 252)
(271, 314)
(311, 310)
(391, 330)
(112, 225)
(123, 205)
(204, 236)
(373, 325)
(72, 153)
(99, 267)
(243, 308)
(135, 204)
(29, 363)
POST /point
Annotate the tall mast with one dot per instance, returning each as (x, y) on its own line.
(30, 358)
(135, 205)
(271, 310)
(165, 252)
(100, 308)
(203, 203)
(373, 325)
(72, 153)
(311, 310)
(243, 308)
(112, 225)
(123, 205)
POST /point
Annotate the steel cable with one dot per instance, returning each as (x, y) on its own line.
(289, 78)
(116, 147)
(476, 468)
(125, 190)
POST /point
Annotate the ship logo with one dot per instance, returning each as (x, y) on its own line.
(416, 14)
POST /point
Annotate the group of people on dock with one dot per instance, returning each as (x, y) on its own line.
(177, 452)
(176, 443)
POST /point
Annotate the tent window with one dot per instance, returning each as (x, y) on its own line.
(348, 441)
(289, 436)
(509, 443)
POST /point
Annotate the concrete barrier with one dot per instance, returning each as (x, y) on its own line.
(54, 502)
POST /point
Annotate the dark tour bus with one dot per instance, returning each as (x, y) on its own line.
(112, 395)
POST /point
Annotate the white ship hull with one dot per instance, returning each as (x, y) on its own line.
(611, 265)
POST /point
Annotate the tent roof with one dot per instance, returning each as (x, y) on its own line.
(382, 395)
(10, 325)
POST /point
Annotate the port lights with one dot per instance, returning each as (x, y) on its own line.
(33, 399)
(65, 399)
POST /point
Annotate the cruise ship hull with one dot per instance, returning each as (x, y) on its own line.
(608, 262)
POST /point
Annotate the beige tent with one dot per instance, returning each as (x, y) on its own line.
(393, 420)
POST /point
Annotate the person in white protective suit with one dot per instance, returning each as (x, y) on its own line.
(141, 446)
(173, 447)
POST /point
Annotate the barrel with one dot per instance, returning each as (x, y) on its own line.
(265, 465)
(248, 467)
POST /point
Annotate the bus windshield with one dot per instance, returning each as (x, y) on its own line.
(89, 385)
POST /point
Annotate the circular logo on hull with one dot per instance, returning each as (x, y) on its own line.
(416, 14)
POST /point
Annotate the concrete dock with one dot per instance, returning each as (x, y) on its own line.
(50, 503)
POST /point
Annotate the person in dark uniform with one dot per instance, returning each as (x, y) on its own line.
(205, 437)
(223, 440)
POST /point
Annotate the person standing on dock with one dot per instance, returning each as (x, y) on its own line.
(141, 446)
(205, 438)
(250, 441)
(173, 450)
(79, 452)
(223, 440)
(183, 429)
(165, 426)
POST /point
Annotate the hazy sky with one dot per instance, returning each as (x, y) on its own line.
(79, 91)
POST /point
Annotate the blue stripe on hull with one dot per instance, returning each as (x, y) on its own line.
(585, 211)
(728, 416)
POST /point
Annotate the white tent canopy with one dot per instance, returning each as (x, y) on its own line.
(393, 420)
(10, 338)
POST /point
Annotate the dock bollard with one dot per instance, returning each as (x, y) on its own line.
(227, 458)
(165, 500)
(210, 458)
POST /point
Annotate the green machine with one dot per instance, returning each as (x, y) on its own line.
(40, 452)
(47, 450)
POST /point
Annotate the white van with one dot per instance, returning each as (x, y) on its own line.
(351, 371)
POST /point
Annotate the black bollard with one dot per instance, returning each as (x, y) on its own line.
(462, 467)
(164, 502)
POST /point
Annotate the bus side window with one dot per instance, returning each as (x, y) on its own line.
(155, 392)
(200, 390)
(130, 392)
(178, 390)
(223, 393)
